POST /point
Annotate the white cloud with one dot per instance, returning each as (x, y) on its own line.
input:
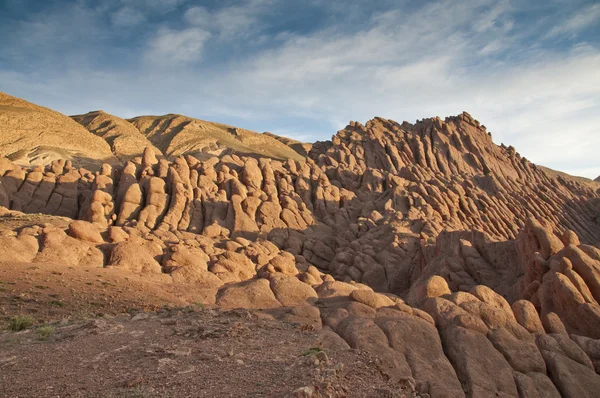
(579, 21)
(170, 46)
(229, 21)
(163, 6)
(438, 60)
(540, 104)
(127, 16)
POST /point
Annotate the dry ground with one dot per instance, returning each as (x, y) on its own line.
(186, 352)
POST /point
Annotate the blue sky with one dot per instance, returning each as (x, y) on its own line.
(528, 70)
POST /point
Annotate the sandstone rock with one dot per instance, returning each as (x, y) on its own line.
(482, 370)
(335, 289)
(19, 249)
(527, 316)
(370, 298)
(251, 294)
(134, 257)
(233, 267)
(58, 248)
(290, 291)
(435, 286)
(85, 231)
(117, 234)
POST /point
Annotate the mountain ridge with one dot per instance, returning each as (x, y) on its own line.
(464, 267)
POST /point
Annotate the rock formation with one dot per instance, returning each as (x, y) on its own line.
(467, 269)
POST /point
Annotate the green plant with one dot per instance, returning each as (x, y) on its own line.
(20, 322)
(44, 332)
(312, 351)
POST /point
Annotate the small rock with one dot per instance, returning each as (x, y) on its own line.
(303, 392)
(140, 317)
(322, 356)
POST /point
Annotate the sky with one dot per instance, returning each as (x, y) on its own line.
(527, 69)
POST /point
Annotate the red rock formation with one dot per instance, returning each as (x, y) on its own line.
(467, 269)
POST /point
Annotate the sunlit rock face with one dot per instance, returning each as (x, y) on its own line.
(467, 269)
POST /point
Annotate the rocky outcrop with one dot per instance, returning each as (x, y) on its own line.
(466, 269)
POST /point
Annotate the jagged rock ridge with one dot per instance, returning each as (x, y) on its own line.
(462, 265)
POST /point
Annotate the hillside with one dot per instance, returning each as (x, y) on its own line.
(124, 139)
(177, 135)
(303, 148)
(33, 135)
(465, 269)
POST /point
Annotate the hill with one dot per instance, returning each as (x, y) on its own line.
(124, 139)
(177, 135)
(34, 135)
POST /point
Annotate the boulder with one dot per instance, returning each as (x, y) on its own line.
(135, 257)
(251, 294)
(85, 231)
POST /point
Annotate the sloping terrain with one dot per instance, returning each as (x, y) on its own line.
(33, 135)
(583, 180)
(464, 268)
(124, 139)
(303, 148)
(177, 135)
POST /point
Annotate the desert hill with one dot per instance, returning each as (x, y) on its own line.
(177, 135)
(33, 135)
(124, 139)
(467, 270)
(303, 148)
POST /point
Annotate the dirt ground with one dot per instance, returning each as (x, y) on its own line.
(187, 352)
(50, 292)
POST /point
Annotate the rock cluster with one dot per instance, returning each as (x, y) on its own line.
(467, 269)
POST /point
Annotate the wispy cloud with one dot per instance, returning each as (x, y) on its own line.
(229, 21)
(582, 19)
(163, 6)
(127, 17)
(170, 46)
(344, 62)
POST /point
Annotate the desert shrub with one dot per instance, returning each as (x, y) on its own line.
(44, 332)
(20, 322)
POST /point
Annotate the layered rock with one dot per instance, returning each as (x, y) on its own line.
(467, 269)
